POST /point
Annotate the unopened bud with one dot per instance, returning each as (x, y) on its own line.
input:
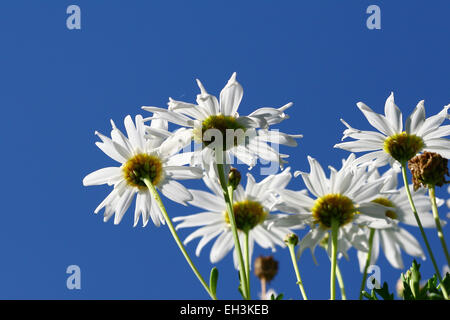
(291, 239)
(234, 178)
(266, 267)
(428, 169)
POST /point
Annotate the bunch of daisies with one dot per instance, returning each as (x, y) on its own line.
(351, 207)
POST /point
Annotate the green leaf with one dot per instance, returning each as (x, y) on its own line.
(278, 297)
(214, 275)
(383, 292)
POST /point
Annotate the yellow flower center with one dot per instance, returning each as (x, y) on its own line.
(403, 146)
(333, 207)
(220, 123)
(247, 214)
(387, 203)
(142, 166)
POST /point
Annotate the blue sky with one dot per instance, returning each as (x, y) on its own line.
(57, 86)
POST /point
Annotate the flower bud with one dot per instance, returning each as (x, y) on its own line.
(234, 178)
(428, 169)
(266, 267)
(291, 239)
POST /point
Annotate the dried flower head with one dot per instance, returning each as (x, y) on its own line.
(266, 267)
(428, 169)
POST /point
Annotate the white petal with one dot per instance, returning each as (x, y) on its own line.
(206, 101)
(188, 109)
(442, 131)
(136, 138)
(278, 137)
(393, 114)
(107, 175)
(176, 142)
(112, 149)
(378, 121)
(409, 243)
(432, 123)
(221, 247)
(177, 118)
(359, 146)
(391, 249)
(199, 219)
(180, 159)
(416, 119)
(182, 173)
(123, 205)
(175, 191)
(208, 201)
(231, 96)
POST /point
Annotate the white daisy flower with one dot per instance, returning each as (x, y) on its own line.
(210, 117)
(395, 239)
(252, 211)
(345, 197)
(154, 158)
(392, 240)
(395, 142)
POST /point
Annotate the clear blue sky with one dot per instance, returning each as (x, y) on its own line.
(57, 86)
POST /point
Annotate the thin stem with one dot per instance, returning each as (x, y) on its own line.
(334, 244)
(297, 272)
(427, 244)
(341, 282)
(247, 263)
(366, 267)
(432, 195)
(157, 198)
(263, 289)
(228, 196)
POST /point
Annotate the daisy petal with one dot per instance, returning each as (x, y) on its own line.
(230, 97)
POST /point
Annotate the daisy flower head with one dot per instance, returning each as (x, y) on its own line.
(217, 128)
(396, 238)
(395, 142)
(345, 198)
(253, 212)
(143, 158)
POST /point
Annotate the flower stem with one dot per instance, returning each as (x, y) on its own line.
(297, 272)
(432, 195)
(369, 256)
(228, 196)
(263, 289)
(157, 198)
(247, 263)
(419, 223)
(341, 282)
(334, 244)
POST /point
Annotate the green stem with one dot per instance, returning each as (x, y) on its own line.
(341, 282)
(228, 196)
(419, 223)
(438, 222)
(334, 244)
(369, 256)
(247, 263)
(297, 272)
(157, 198)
